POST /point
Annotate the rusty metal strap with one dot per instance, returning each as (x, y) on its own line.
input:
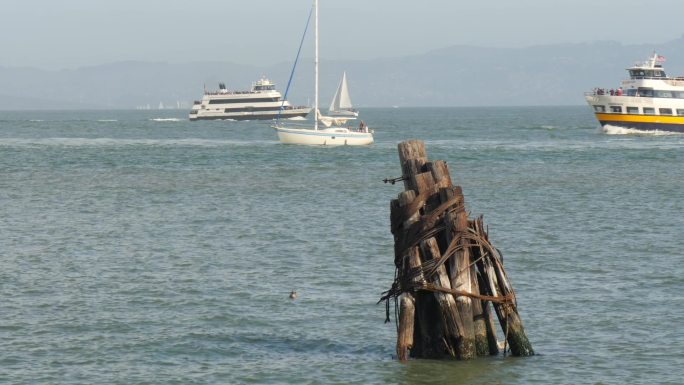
(509, 298)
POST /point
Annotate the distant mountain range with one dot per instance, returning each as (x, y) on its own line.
(453, 76)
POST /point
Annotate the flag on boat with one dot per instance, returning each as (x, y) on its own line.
(660, 58)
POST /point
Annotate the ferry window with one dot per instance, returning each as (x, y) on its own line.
(649, 111)
(229, 101)
(616, 109)
(678, 94)
(680, 111)
(631, 92)
(647, 92)
(600, 108)
(632, 110)
(663, 94)
(665, 111)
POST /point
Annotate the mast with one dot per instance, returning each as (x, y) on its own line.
(316, 65)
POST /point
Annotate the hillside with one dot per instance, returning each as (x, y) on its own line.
(453, 76)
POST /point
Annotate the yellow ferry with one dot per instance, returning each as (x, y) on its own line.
(648, 101)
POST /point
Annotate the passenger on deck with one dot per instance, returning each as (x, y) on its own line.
(362, 126)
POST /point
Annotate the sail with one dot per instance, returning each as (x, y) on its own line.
(341, 101)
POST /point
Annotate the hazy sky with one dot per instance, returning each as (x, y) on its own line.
(56, 34)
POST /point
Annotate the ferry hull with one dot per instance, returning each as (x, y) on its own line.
(642, 122)
(246, 116)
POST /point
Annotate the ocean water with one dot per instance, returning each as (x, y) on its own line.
(140, 248)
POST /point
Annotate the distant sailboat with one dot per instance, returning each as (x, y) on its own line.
(341, 104)
(333, 136)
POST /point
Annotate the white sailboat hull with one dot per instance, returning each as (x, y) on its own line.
(326, 137)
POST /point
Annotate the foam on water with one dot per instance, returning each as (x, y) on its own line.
(614, 130)
(168, 120)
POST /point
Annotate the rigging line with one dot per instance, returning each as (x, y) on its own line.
(301, 43)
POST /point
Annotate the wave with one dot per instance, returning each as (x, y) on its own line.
(544, 146)
(59, 120)
(615, 130)
(167, 119)
(117, 142)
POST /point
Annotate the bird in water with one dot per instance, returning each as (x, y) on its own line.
(293, 294)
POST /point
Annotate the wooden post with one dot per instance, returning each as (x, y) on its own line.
(497, 285)
(492, 341)
(407, 313)
(511, 324)
(460, 267)
(412, 158)
(479, 323)
(410, 261)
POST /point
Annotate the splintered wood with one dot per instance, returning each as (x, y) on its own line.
(447, 272)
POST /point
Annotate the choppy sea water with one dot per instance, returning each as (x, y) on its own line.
(140, 248)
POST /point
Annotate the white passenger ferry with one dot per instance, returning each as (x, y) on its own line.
(648, 101)
(263, 101)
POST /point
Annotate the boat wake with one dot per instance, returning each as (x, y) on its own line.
(167, 119)
(615, 130)
(107, 120)
(297, 118)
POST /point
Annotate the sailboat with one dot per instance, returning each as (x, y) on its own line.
(341, 104)
(331, 136)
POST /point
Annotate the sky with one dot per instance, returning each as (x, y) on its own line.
(64, 34)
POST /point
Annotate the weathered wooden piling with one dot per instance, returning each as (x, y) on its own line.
(447, 272)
